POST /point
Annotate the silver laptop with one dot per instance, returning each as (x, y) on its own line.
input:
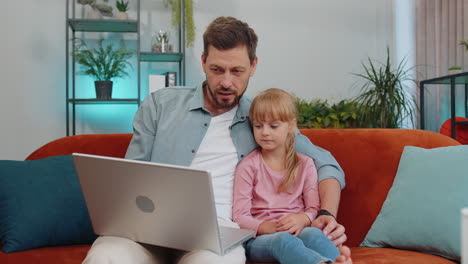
(153, 203)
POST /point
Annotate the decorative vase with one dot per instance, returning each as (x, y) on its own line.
(160, 42)
(93, 13)
(103, 90)
(161, 47)
(121, 16)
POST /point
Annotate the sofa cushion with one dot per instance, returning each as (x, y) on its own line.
(41, 204)
(422, 209)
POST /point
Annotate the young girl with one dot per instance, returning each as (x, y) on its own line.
(276, 190)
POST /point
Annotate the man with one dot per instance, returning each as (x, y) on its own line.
(208, 128)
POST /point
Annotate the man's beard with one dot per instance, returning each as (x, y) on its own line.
(222, 103)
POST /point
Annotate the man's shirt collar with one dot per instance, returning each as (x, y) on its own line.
(198, 102)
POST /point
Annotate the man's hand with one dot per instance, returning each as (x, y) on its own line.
(334, 231)
(293, 223)
(267, 228)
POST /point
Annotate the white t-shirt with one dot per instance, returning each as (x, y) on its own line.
(218, 154)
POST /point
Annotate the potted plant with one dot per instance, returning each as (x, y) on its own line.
(188, 17)
(319, 114)
(161, 42)
(454, 70)
(123, 8)
(386, 100)
(104, 64)
(344, 114)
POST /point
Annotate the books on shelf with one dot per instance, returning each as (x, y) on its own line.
(156, 82)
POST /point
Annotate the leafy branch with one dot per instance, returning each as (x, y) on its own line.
(176, 6)
(121, 5)
(319, 114)
(385, 99)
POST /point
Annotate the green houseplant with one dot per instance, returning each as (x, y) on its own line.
(319, 114)
(103, 63)
(188, 17)
(454, 70)
(385, 100)
(123, 8)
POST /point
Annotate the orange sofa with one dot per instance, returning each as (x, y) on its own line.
(361, 201)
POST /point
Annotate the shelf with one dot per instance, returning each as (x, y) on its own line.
(460, 78)
(101, 25)
(99, 101)
(81, 27)
(161, 57)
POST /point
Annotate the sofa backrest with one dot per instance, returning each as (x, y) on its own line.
(369, 158)
(113, 145)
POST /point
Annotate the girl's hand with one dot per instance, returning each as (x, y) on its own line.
(293, 223)
(267, 228)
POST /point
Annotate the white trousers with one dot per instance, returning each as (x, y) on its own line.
(117, 250)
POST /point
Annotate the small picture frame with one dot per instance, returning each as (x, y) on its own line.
(171, 79)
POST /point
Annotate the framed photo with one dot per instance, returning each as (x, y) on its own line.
(171, 79)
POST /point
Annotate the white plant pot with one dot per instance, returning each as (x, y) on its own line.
(121, 16)
(451, 72)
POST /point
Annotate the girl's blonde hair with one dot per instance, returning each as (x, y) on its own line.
(277, 104)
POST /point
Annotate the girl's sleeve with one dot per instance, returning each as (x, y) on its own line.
(310, 193)
(242, 202)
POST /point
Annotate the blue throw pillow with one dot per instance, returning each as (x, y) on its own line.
(422, 209)
(41, 204)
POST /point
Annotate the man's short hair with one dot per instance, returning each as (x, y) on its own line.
(227, 33)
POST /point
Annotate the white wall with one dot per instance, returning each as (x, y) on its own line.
(307, 47)
(32, 97)
(405, 46)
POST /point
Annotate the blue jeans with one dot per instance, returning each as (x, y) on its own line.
(311, 247)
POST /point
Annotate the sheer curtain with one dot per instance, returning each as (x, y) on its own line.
(440, 25)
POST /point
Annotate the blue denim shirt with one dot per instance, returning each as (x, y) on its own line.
(171, 123)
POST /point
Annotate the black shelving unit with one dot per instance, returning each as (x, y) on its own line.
(75, 25)
(452, 80)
